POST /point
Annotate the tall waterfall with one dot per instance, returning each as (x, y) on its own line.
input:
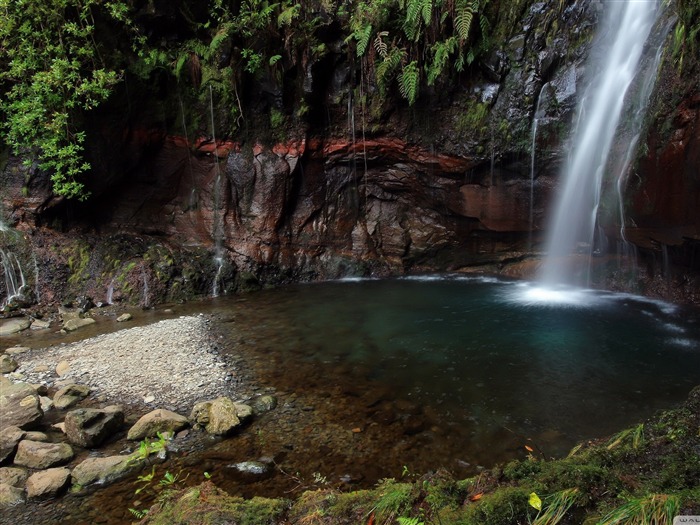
(620, 43)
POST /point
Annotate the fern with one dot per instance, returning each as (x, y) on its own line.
(427, 11)
(408, 82)
(379, 44)
(287, 16)
(411, 25)
(362, 36)
(387, 68)
(441, 52)
(463, 19)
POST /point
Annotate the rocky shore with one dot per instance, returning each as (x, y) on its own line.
(76, 416)
(170, 364)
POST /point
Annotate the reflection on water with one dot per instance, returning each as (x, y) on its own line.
(459, 373)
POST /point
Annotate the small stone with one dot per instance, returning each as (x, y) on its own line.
(16, 350)
(7, 364)
(60, 426)
(356, 430)
(40, 369)
(263, 404)
(47, 483)
(149, 398)
(124, 317)
(37, 436)
(62, 368)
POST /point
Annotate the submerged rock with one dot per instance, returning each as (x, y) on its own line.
(106, 470)
(74, 324)
(13, 326)
(220, 416)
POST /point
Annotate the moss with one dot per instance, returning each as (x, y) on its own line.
(505, 506)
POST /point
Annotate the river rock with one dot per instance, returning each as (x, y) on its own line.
(16, 350)
(160, 420)
(62, 368)
(262, 404)
(70, 395)
(90, 427)
(13, 476)
(73, 324)
(7, 364)
(106, 470)
(13, 326)
(36, 436)
(250, 471)
(124, 317)
(9, 439)
(39, 324)
(10, 496)
(34, 454)
(220, 416)
(19, 405)
(47, 483)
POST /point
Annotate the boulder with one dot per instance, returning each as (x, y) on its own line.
(160, 420)
(10, 496)
(47, 483)
(73, 324)
(33, 435)
(13, 476)
(9, 439)
(70, 395)
(124, 317)
(15, 350)
(34, 454)
(7, 364)
(220, 416)
(19, 406)
(39, 324)
(13, 326)
(90, 427)
(106, 470)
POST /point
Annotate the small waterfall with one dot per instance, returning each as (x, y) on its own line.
(14, 276)
(145, 297)
(109, 299)
(621, 42)
(218, 226)
(533, 153)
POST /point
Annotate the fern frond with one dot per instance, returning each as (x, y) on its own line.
(411, 24)
(362, 36)
(379, 44)
(463, 19)
(387, 68)
(441, 52)
(427, 11)
(408, 82)
(286, 17)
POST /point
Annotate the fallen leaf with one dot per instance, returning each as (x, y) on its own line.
(535, 501)
(476, 497)
(529, 449)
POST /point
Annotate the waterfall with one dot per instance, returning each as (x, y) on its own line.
(622, 39)
(218, 227)
(14, 277)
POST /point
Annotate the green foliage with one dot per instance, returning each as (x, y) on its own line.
(406, 29)
(654, 509)
(52, 71)
(686, 34)
(394, 500)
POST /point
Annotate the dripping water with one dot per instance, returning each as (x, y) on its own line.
(218, 218)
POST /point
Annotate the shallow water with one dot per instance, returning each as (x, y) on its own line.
(398, 377)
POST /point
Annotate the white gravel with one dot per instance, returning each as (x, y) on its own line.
(169, 364)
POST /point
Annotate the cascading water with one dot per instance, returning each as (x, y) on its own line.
(627, 26)
(14, 277)
(218, 227)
